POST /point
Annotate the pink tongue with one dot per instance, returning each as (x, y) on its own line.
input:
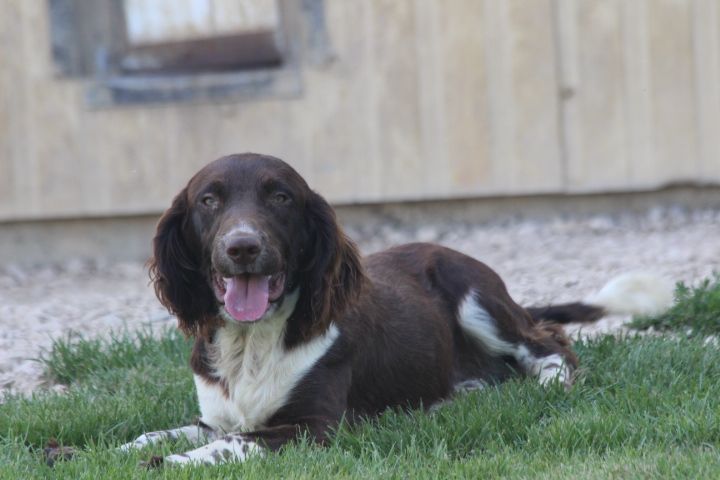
(246, 296)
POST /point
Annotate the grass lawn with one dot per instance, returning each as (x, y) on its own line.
(643, 407)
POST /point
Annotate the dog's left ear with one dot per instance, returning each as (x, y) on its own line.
(331, 275)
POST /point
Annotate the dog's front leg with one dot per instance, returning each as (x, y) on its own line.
(234, 447)
(194, 433)
(237, 447)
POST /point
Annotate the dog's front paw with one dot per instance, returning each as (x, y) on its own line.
(231, 448)
(142, 440)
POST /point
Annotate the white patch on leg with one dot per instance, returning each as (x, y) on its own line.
(547, 369)
(232, 448)
(553, 368)
(193, 433)
(469, 385)
(477, 322)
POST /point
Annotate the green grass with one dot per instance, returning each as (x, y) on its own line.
(696, 311)
(643, 407)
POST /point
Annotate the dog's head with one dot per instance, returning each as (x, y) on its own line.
(246, 234)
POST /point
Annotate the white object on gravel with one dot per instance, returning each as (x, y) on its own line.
(634, 293)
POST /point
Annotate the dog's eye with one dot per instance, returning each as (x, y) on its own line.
(280, 198)
(209, 200)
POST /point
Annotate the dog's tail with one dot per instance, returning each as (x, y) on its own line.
(630, 293)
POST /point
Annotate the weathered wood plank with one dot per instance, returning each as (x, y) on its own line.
(637, 93)
(706, 58)
(537, 164)
(15, 184)
(341, 144)
(594, 107)
(393, 61)
(674, 112)
(464, 49)
(430, 54)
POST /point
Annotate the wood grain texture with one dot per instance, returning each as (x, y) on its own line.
(600, 157)
(706, 48)
(674, 109)
(416, 99)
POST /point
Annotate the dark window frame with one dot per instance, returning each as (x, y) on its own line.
(88, 42)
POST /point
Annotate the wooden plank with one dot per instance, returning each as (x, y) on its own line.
(566, 25)
(62, 176)
(638, 98)
(398, 111)
(595, 112)
(706, 58)
(673, 97)
(435, 162)
(340, 146)
(373, 161)
(465, 97)
(14, 180)
(537, 165)
(28, 191)
(501, 107)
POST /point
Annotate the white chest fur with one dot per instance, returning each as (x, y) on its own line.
(259, 371)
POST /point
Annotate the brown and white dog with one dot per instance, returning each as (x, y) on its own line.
(294, 331)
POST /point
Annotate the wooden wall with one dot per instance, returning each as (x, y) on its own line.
(425, 99)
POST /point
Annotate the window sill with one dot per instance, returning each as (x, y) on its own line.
(281, 82)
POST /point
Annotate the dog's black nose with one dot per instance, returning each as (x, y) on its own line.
(243, 248)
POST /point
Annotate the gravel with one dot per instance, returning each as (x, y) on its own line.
(541, 261)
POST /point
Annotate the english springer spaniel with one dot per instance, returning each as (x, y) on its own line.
(293, 331)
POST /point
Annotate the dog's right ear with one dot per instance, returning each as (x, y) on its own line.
(175, 272)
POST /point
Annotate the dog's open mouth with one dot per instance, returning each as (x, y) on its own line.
(247, 297)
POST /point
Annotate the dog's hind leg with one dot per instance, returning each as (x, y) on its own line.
(538, 349)
(545, 353)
